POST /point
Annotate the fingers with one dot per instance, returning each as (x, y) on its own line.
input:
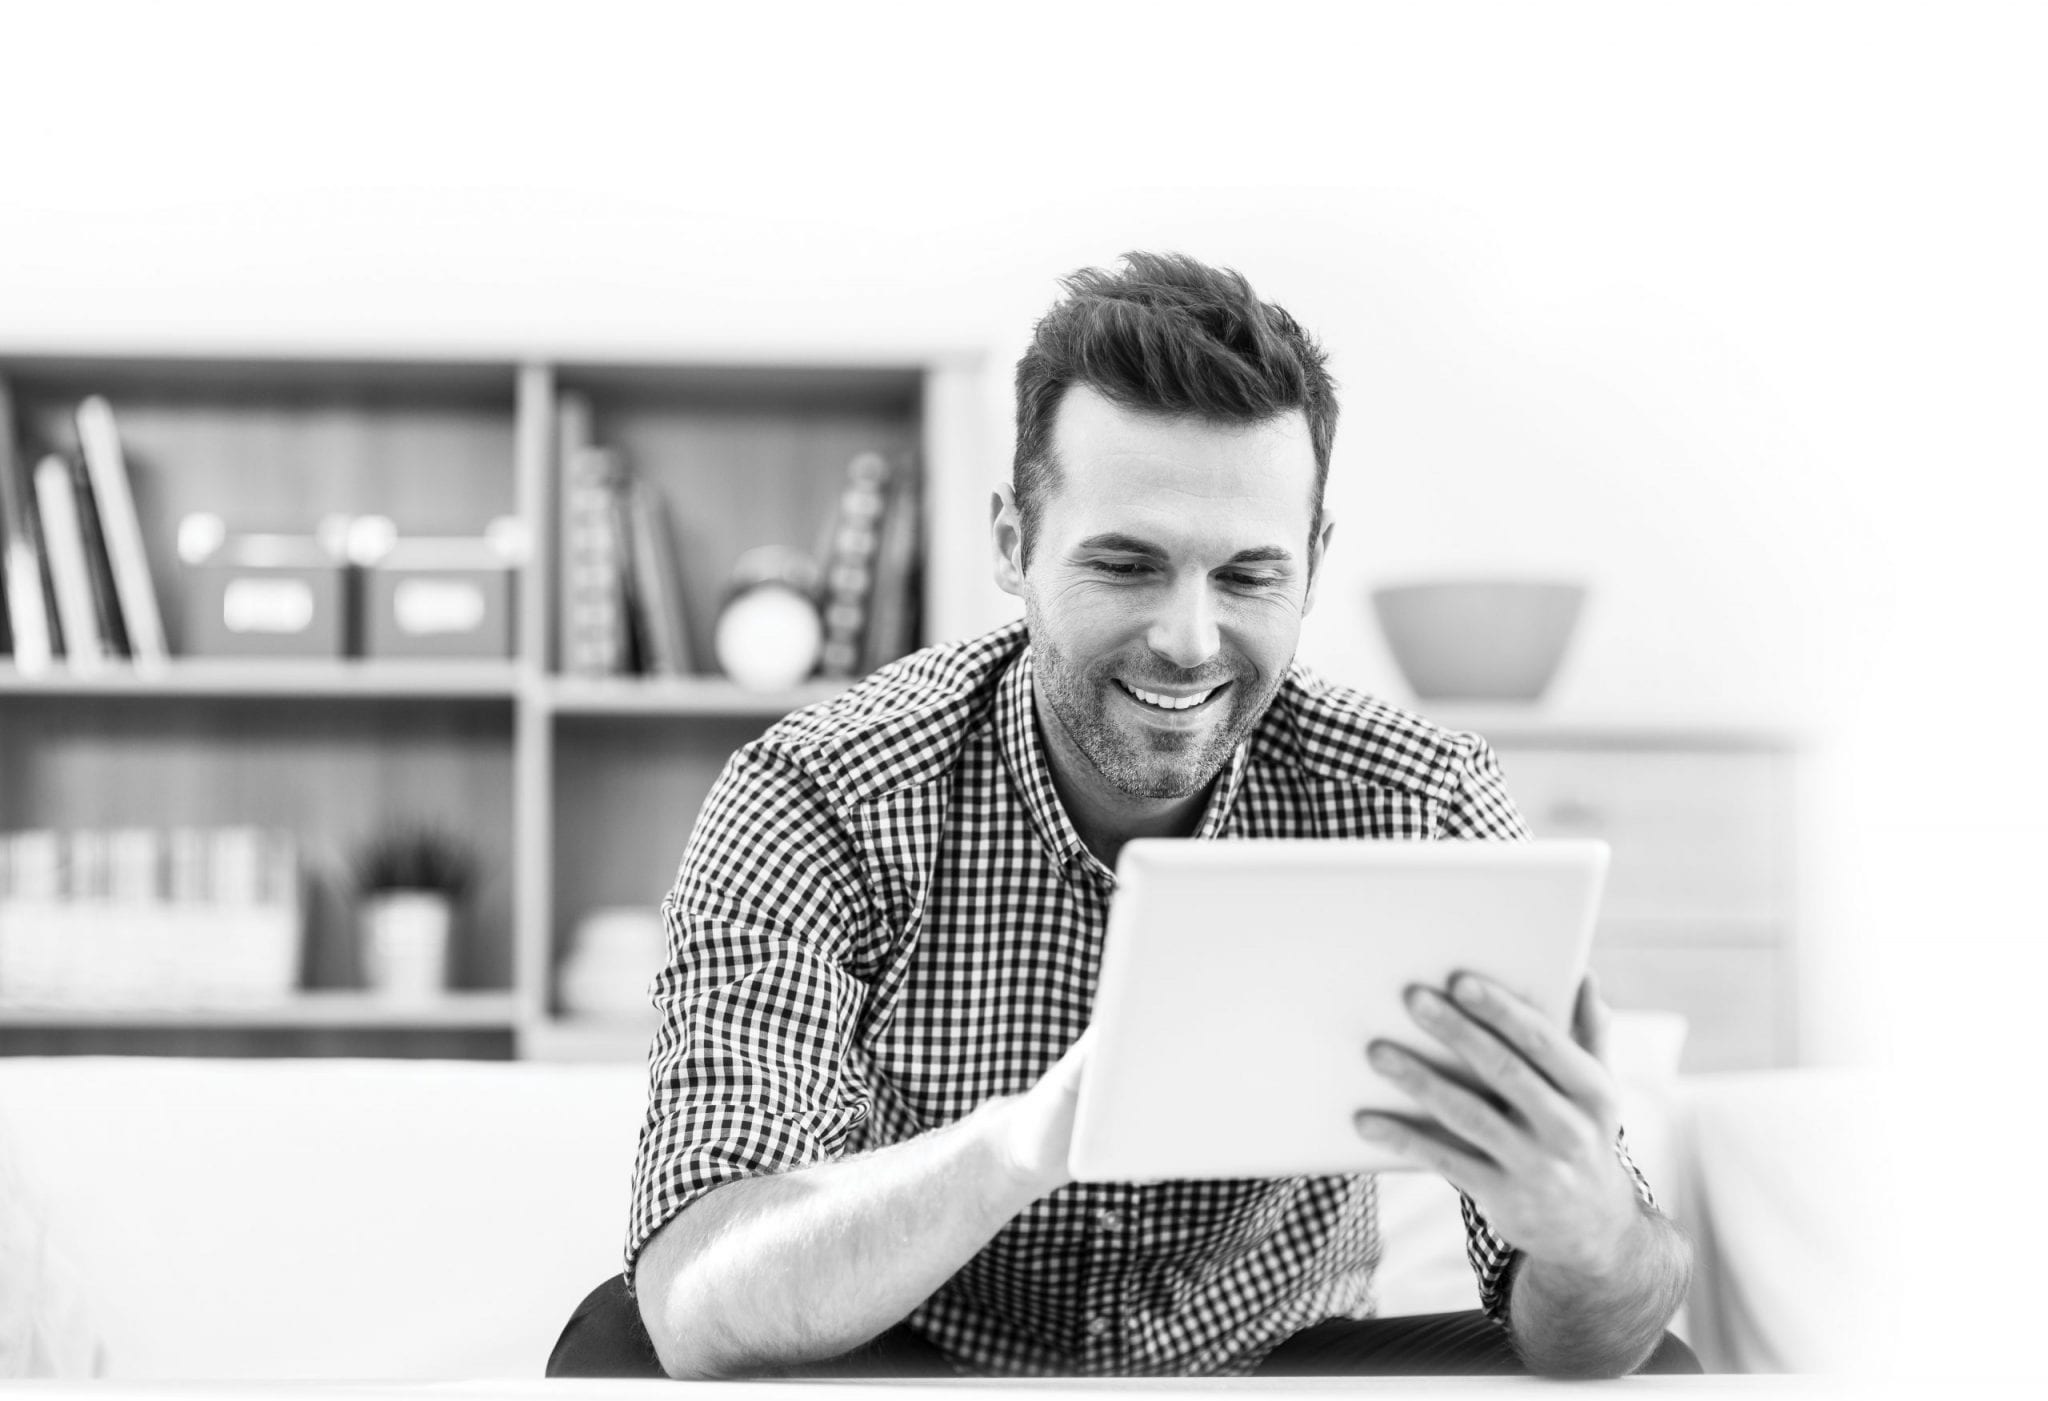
(1530, 1102)
(1463, 1112)
(1430, 1147)
(1495, 1013)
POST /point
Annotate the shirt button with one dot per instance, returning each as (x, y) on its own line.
(1109, 1221)
(1098, 1325)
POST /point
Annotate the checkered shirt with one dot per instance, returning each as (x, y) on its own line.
(884, 917)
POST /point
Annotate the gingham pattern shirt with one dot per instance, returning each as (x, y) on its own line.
(884, 917)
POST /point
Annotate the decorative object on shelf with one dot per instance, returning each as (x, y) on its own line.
(869, 586)
(595, 640)
(613, 955)
(265, 595)
(436, 596)
(141, 918)
(411, 881)
(848, 559)
(1479, 639)
(769, 631)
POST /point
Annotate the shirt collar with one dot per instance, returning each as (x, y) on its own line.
(1024, 755)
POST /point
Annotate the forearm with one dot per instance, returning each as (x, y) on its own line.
(777, 1270)
(1566, 1323)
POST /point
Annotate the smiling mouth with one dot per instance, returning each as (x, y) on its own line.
(1158, 700)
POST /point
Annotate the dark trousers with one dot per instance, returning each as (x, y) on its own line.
(605, 1338)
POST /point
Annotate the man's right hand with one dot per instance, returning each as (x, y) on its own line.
(1036, 1127)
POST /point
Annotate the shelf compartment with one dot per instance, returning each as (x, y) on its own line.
(743, 457)
(657, 771)
(332, 772)
(275, 447)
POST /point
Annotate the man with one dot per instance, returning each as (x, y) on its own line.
(885, 930)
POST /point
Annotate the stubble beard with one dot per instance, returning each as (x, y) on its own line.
(1140, 764)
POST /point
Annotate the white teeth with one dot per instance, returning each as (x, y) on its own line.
(1171, 702)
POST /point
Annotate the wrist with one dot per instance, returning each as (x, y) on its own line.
(1600, 1257)
(1013, 1160)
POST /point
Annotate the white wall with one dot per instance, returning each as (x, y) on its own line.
(1734, 310)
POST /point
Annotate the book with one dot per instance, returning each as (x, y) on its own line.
(114, 499)
(894, 615)
(573, 433)
(106, 605)
(848, 562)
(595, 641)
(656, 592)
(28, 603)
(88, 921)
(620, 502)
(85, 647)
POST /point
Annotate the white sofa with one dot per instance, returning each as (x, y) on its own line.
(414, 1220)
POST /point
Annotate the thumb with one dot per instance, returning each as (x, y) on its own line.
(1590, 1018)
(1067, 1072)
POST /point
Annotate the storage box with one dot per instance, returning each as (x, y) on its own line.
(267, 596)
(438, 598)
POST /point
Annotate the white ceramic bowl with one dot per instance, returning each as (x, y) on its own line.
(1479, 639)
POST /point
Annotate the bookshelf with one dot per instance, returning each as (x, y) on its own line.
(577, 792)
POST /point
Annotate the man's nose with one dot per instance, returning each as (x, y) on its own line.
(1184, 631)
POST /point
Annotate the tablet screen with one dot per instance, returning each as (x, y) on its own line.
(1242, 981)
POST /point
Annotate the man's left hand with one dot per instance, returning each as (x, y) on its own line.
(1531, 1137)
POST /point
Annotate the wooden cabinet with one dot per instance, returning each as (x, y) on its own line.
(576, 793)
(1700, 910)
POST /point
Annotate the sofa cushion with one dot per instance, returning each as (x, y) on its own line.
(326, 1218)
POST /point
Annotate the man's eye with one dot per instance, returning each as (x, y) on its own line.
(1118, 568)
(1252, 581)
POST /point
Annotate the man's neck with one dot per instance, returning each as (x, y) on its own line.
(1104, 822)
(1107, 837)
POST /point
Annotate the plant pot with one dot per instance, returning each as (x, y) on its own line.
(405, 944)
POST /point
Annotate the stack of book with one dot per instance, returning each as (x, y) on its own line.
(620, 605)
(869, 562)
(73, 572)
(140, 918)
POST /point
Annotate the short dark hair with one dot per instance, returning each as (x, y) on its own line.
(1168, 335)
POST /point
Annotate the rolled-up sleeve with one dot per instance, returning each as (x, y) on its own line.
(768, 925)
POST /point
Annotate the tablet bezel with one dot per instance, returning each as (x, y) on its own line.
(1203, 1060)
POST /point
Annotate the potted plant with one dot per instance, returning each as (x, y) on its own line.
(410, 881)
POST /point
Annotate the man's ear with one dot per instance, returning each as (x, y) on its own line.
(1318, 547)
(1006, 536)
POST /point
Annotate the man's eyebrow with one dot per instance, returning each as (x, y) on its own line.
(1116, 542)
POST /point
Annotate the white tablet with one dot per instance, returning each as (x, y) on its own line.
(1242, 981)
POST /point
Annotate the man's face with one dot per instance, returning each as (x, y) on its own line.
(1168, 578)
